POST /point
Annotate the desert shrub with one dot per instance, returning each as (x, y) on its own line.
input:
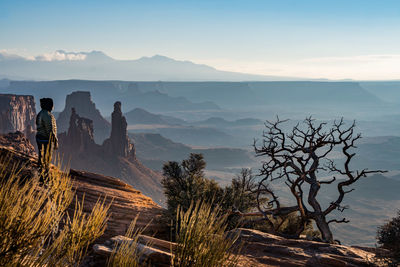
(201, 238)
(31, 214)
(240, 194)
(389, 238)
(185, 183)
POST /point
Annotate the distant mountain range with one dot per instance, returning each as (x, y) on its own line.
(96, 65)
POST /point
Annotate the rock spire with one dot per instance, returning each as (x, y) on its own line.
(118, 143)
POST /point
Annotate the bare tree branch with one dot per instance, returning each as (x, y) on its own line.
(341, 221)
(298, 157)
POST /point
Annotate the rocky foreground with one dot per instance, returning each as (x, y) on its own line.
(260, 249)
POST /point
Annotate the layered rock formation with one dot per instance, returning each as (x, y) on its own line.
(17, 113)
(84, 106)
(116, 157)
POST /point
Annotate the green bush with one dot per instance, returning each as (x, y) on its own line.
(186, 183)
(389, 238)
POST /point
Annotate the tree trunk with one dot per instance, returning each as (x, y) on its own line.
(324, 229)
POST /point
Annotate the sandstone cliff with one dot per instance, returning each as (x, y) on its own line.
(17, 113)
(116, 157)
(84, 106)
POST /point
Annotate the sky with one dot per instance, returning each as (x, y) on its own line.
(331, 39)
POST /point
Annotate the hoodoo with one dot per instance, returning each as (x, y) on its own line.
(118, 144)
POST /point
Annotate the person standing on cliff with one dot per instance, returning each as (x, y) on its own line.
(46, 136)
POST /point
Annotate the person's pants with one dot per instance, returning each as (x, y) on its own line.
(45, 153)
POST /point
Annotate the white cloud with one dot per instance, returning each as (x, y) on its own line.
(61, 56)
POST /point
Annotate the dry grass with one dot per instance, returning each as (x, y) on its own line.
(201, 238)
(31, 214)
(127, 253)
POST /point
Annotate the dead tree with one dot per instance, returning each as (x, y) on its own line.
(299, 157)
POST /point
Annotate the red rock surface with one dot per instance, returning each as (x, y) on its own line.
(127, 203)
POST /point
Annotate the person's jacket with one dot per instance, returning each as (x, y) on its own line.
(46, 126)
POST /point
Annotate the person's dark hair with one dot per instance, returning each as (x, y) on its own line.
(46, 103)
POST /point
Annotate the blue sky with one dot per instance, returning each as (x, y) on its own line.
(331, 39)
